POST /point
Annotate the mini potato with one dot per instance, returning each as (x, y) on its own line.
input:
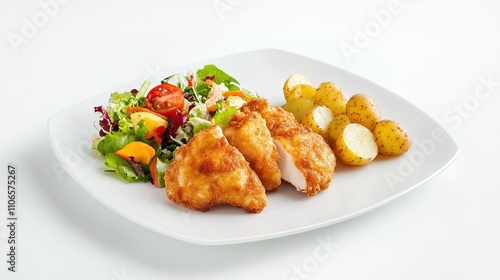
(302, 90)
(356, 145)
(336, 127)
(318, 119)
(293, 80)
(330, 95)
(392, 138)
(299, 107)
(362, 109)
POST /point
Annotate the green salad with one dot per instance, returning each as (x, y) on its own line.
(140, 130)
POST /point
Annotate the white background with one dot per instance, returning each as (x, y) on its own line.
(432, 53)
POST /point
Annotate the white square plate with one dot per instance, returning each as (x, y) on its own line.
(353, 191)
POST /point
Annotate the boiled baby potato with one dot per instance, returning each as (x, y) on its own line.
(362, 109)
(301, 90)
(299, 107)
(336, 128)
(356, 145)
(318, 119)
(293, 80)
(330, 95)
(392, 138)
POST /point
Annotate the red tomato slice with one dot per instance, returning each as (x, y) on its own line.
(154, 172)
(165, 99)
(157, 168)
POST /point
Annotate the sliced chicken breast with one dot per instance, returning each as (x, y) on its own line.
(249, 134)
(306, 160)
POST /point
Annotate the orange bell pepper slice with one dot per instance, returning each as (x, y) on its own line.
(238, 93)
(142, 152)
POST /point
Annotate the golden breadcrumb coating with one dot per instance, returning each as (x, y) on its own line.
(306, 160)
(208, 171)
(249, 134)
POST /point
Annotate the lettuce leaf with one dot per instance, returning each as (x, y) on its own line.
(120, 101)
(218, 76)
(113, 142)
(222, 117)
(198, 124)
(180, 80)
(116, 140)
(124, 169)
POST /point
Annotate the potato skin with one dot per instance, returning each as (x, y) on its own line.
(293, 80)
(318, 119)
(300, 90)
(362, 109)
(355, 135)
(330, 95)
(336, 127)
(392, 138)
(299, 107)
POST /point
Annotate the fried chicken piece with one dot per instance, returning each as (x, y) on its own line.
(208, 171)
(306, 160)
(249, 134)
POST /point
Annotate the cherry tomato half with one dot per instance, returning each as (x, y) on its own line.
(165, 99)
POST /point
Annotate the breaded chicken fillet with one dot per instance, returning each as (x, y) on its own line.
(249, 134)
(208, 171)
(306, 160)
